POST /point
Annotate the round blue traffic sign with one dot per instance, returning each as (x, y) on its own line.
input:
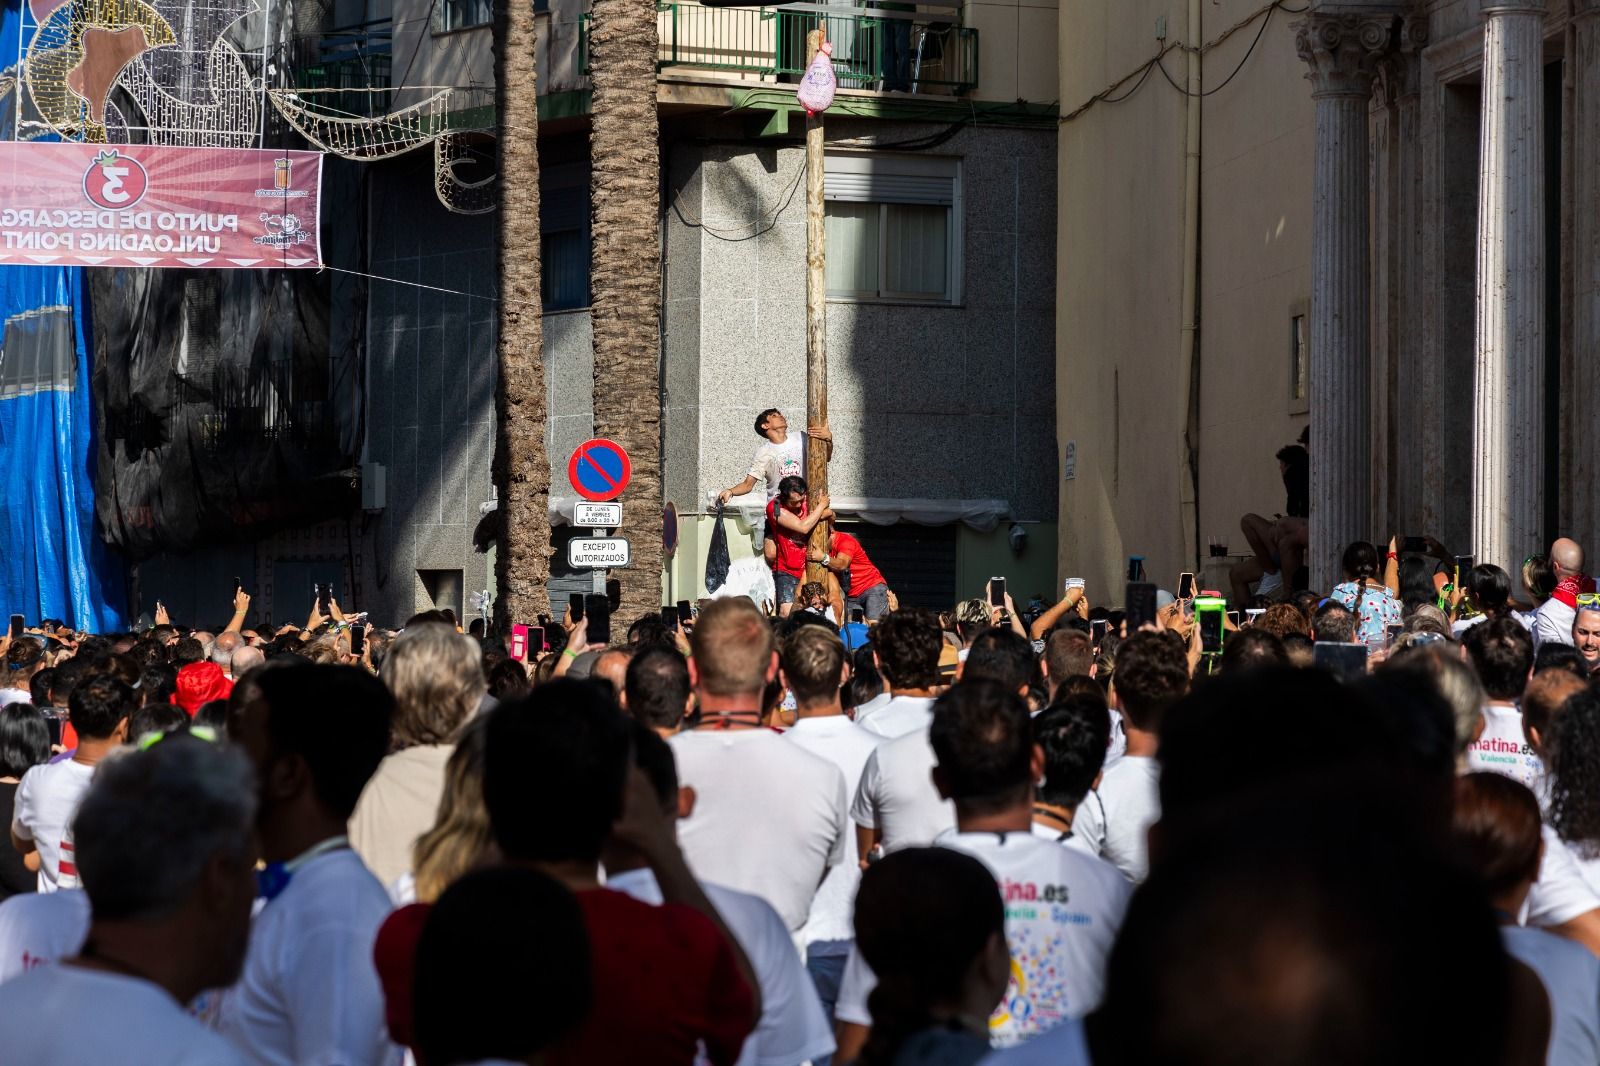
(599, 469)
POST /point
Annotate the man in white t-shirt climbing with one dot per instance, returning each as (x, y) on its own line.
(309, 991)
(49, 794)
(813, 667)
(1152, 674)
(777, 457)
(793, 1027)
(165, 838)
(1502, 652)
(769, 817)
(1063, 908)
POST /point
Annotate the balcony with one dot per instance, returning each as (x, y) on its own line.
(871, 49)
(354, 58)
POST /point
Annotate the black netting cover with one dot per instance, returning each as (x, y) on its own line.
(220, 412)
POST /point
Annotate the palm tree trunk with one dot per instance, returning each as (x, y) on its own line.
(521, 467)
(626, 278)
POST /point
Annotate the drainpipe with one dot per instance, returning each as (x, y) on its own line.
(1189, 343)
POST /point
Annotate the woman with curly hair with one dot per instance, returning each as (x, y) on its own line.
(1572, 750)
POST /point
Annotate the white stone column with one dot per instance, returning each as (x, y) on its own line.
(1343, 52)
(1508, 398)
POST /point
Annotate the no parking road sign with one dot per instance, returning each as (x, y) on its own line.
(599, 469)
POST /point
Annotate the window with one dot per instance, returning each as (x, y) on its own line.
(564, 236)
(894, 225)
(1299, 365)
(461, 14)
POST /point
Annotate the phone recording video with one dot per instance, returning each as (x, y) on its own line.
(997, 592)
(16, 625)
(1185, 586)
(669, 618)
(575, 606)
(358, 639)
(1415, 545)
(685, 613)
(1347, 662)
(597, 620)
(1139, 604)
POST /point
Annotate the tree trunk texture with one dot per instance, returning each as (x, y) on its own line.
(626, 277)
(521, 466)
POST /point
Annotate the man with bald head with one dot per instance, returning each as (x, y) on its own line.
(1553, 621)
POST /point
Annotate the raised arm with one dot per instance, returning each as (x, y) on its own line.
(1047, 621)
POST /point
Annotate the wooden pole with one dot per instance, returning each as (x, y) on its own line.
(817, 453)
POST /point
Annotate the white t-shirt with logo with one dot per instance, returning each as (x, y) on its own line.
(1062, 1046)
(898, 716)
(1571, 977)
(774, 462)
(1503, 748)
(793, 1028)
(310, 992)
(37, 928)
(897, 797)
(47, 801)
(66, 1015)
(769, 817)
(1063, 910)
(828, 929)
(1115, 818)
(1562, 892)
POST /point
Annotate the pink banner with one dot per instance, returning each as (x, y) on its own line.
(132, 205)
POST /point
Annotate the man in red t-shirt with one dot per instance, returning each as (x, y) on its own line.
(864, 585)
(559, 780)
(789, 514)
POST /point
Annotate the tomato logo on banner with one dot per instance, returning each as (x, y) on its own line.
(115, 181)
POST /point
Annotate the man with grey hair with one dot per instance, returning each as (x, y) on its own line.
(222, 650)
(244, 659)
(1553, 620)
(167, 851)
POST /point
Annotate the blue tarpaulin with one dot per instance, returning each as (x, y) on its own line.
(53, 564)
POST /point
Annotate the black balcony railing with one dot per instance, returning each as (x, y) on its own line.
(352, 58)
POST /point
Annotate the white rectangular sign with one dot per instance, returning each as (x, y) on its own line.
(597, 515)
(598, 552)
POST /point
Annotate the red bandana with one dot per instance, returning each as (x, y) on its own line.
(1568, 590)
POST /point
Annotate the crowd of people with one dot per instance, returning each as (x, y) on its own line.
(1056, 836)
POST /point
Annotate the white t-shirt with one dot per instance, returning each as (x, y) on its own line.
(769, 817)
(898, 716)
(1117, 745)
(8, 696)
(1114, 819)
(1062, 1046)
(793, 1028)
(828, 929)
(41, 927)
(1503, 748)
(309, 992)
(896, 795)
(1063, 910)
(1552, 623)
(774, 462)
(872, 707)
(1561, 893)
(1571, 977)
(1066, 840)
(66, 1015)
(47, 801)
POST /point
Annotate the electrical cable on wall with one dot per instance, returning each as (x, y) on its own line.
(1143, 70)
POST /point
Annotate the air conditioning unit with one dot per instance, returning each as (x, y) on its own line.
(374, 487)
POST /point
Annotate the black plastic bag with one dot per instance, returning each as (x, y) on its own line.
(717, 561)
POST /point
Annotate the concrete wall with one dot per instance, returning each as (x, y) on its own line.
(939, 402)
(1120, 322)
